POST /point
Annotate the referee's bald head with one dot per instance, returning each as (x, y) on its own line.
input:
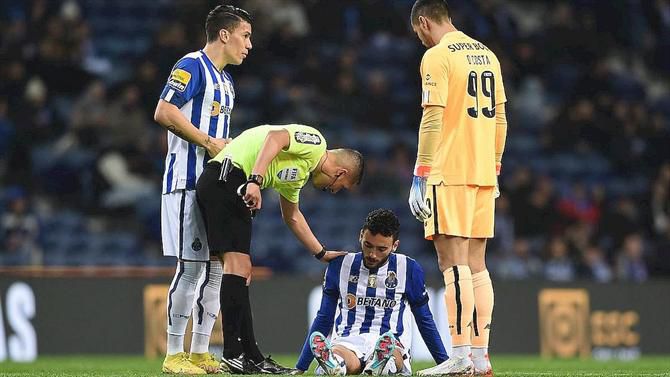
(352, 160)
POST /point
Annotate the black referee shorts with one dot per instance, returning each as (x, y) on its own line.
(227, 218)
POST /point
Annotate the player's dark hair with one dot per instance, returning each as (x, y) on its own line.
(224, 17)
(384, 222)
(436, 10)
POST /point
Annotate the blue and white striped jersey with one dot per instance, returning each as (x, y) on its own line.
(357, 300)
(206, 97)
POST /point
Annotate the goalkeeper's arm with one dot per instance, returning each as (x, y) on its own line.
(429, 138)
(501, 135)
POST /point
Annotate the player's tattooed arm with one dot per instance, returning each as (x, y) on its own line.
(172, 128)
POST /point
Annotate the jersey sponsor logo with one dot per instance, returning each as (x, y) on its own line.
(379, 302)
(351, 301)
(218, 109)
(307, 138)
(288, 175)
(179, 79)
(391, 280)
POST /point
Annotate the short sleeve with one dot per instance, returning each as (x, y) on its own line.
(434, 79)
(416, 285)
(185, 81)
(305, 141)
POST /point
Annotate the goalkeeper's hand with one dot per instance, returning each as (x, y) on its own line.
(417, 198)
(496, 191)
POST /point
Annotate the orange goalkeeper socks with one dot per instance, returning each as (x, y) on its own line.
(459, 297)
(481, 323)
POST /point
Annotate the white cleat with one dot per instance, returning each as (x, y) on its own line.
(455, 366)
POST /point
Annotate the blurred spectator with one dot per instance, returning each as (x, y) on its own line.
(521, 264)
(20, 230)
(558, 267)
(594, 265)
(630, 262)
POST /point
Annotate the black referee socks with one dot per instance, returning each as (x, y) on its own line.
(238, 328)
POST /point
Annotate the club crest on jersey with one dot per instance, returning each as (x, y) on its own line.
(353, 278)
(196, 245)
(372, 281)
(179, 79)
(288, 175)
(391, 280)
(307, 138)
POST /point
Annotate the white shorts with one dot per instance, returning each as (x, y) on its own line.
(182, 227)
(363, 345)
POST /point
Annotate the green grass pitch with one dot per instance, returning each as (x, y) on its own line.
(503, 366)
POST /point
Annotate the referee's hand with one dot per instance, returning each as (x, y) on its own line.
(252, 196)
(331, 254)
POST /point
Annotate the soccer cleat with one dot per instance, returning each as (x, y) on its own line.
(455, 366)
(180, 364)
(487, 370)
(270, 366)
(206, 361)
(383, 353)
(323, 353)
(240, 365)
(486, 373)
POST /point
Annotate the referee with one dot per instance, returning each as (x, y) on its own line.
(229, 193)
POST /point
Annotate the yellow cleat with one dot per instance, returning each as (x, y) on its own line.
(180, 364)
(206, 361)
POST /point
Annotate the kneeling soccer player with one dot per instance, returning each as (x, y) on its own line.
(372, 333)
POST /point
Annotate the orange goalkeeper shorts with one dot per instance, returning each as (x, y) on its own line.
(463, 211)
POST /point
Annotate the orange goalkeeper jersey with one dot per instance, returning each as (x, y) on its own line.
(463, 76)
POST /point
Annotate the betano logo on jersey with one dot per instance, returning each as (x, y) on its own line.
(218, 109)
(380, 302)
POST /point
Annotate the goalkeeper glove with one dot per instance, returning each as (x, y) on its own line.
(417, 194)
(496, 192)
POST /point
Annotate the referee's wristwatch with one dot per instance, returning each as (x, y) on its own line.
(256, 178)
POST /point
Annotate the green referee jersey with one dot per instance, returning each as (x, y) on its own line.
(289, 170)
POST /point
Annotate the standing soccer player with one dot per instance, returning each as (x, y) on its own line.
(461, 141)
(372, 289)
(195, 107)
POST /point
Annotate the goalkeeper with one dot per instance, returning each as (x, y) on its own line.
(372, 289)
